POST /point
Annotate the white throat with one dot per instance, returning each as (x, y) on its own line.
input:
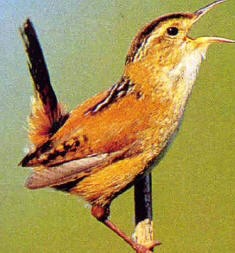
(185, 72)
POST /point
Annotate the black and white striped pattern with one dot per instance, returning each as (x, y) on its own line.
(118, 90)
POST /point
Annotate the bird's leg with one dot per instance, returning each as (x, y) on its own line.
(102, 213)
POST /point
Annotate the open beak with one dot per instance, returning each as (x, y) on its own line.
(201, 12)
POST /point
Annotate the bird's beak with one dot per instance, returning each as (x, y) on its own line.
(201, 12)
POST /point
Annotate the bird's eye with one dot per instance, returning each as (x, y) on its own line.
(172, 31)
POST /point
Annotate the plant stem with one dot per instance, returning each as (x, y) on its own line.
(143, 211)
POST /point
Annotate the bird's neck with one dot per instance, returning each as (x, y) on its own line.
(173, 81)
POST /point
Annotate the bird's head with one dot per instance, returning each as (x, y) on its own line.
(166, 39)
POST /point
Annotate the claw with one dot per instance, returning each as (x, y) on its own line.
(139, 248)
(153, 244)
(142, 249)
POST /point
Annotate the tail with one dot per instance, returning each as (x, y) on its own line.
(47, 115)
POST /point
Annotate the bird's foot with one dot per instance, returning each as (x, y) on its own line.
(139, 248)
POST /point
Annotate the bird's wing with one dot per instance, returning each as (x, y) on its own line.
(88, 141)
(95, 127)
(68, 171)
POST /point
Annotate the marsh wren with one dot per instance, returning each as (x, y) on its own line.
(103, 146)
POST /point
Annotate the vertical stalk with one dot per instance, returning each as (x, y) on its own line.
(143, 211)
(143, 199)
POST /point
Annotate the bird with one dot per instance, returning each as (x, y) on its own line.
(107, 143)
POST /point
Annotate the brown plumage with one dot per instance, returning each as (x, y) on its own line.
(105, 144)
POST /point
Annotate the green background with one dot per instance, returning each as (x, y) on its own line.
(85, 43)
